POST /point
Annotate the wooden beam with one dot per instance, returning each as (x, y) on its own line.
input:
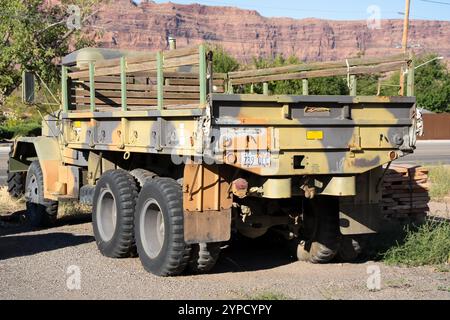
(123, 82)
(353, 88)
(318, 66)
(92, 84)
(64, 90)
(160, 79)
(321, 73)
(305, 87)
(202, 74)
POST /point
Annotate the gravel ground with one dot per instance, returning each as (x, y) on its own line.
(34, 265)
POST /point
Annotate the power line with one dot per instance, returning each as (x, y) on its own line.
(437, 2)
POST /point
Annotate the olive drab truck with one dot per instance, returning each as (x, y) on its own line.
(175, 159)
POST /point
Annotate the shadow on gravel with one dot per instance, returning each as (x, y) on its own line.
(16, 223)
(269, 252)
(243, 254)
(74, 219)
(27, 245)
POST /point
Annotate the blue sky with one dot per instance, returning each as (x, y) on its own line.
(339, 9)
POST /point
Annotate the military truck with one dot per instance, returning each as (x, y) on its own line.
(175, 159)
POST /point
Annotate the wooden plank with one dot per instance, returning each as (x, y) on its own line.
(115, 86)
(181, 61)
(139, 103)
(115, 94)
(320, 73)
(221, 76)
(187, 51)
(115, 70)
(181, 75)
(145, 57)
(137, 65)
(181, 88)
(106, 79)
(318, 66)
(131, 101)
(190, 82)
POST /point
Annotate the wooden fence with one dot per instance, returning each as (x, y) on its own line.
(436, 126)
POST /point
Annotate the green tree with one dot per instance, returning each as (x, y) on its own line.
(223, 62)
(317, 86)
(32, 37)
(432, 82)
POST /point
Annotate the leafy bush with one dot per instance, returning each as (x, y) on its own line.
(23, 129)
(222, 61)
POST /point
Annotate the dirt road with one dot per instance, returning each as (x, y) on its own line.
(38, 265)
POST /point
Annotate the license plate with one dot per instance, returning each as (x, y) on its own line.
(254, 159)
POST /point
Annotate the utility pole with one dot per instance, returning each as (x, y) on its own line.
(406, 27)
(405, 44)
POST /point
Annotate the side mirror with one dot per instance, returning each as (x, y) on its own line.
(28, 87)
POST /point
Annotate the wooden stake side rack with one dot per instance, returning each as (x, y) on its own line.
(183, 78)
(162, 80)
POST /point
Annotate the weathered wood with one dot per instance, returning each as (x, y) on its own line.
(181, 61)
(134, 94)
(145, 57)
(106, 79)
(115, 86)
(190, 82)
(170, 88)
(318, 66)
(405, 191)
(131, 101)
(133, 104)
(321, 73)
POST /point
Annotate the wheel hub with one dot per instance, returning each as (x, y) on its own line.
(106, 214)
(152, 228)
(32, 190)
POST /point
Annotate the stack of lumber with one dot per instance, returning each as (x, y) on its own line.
(405, 191)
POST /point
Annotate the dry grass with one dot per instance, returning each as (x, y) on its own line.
(73, 209)
(9, 205)
(440, 182)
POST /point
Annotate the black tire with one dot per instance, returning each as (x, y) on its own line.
(16, 181)
(142, 175)
(351, 247)
(16, 184)
(159, 228)
(40, 211)
(204, 257)
(116, 190)
(321, 231)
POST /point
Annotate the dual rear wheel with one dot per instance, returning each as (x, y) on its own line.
(146, 216)
(323, 241)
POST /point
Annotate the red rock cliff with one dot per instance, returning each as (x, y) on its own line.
(245, 33)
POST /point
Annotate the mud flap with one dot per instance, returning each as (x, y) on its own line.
(207, 226)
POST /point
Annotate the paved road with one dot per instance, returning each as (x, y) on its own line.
(427, 153)
(4, 150)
